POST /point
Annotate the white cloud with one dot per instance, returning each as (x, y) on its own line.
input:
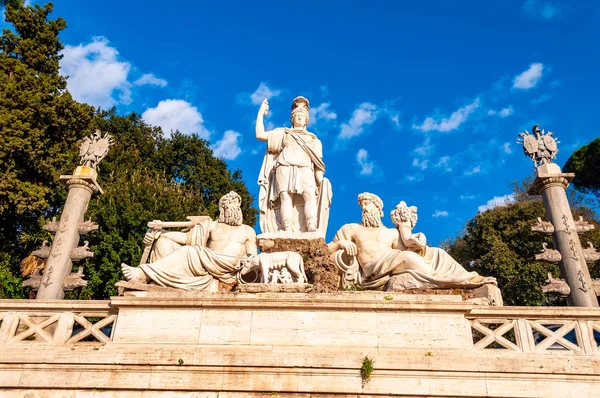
(440, 213)
(387, 108)
(497, 201)
(421, 164)
(414, 177)
(96, 75)
(504, 112)
(530, 77)
(321, 113)
(542, 98)
(148, 79)
(443, 125)
(263, 91)
(362, 158)
(227, 147)
(425, 148)
(474, 170)
(467, 197)
(444, 163)
(507, 147)
(174, 114)
(542, 9)
(364, 115)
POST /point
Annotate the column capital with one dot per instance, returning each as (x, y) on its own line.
(89, 183)
(543, 182)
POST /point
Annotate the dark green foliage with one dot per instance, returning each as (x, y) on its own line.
(39, 125)
(585, 163)
(500, 243)
(10, 285)
(145, 175)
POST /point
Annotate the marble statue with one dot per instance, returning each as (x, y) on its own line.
(207, 253)
(94, 148)
(369, 254)
(294, 195)
(540, 147)
(284, 267)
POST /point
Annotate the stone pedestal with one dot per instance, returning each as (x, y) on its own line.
(81, 186)
(551, 184)
(487, 294)
(320, 270)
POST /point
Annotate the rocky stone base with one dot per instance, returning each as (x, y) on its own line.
(487, 294)
(320, 270)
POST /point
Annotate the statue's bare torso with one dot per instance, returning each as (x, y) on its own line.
(233, 240)
(372, 243)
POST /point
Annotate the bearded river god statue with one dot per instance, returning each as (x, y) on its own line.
(372, 256)
(207, 253)
(294, 196)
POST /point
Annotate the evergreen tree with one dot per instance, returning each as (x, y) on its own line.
(585, 163)
(145, 176)
(39, 124)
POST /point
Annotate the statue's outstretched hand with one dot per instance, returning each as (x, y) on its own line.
(264, 107)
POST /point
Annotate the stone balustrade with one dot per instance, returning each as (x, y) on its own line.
(535, 330)
(518, 329)
(226, 344)
(55, 323)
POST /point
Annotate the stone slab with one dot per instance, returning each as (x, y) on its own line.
(275, 288)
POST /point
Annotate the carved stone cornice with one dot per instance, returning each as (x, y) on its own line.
(583, 226)
(88, 183)
(560, 287)
(542, 183)
(544, 227)
(590, 254)
(549, 255)
(73, 281)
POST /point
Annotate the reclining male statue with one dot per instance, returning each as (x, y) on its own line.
(369, 254)
(201, 257)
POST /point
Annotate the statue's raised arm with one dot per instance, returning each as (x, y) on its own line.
(294, 195)
(261, 134)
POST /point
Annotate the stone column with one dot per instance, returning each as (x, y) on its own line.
(551, 183)
(81, 185)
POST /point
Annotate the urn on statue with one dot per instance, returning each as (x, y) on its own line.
(294, 195)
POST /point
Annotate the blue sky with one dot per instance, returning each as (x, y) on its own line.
(418, 101)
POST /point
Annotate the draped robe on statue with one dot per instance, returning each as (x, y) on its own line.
(292, 158)
(193, 266)
(435, 267)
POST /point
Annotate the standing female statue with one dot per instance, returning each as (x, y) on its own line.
(294, 196)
